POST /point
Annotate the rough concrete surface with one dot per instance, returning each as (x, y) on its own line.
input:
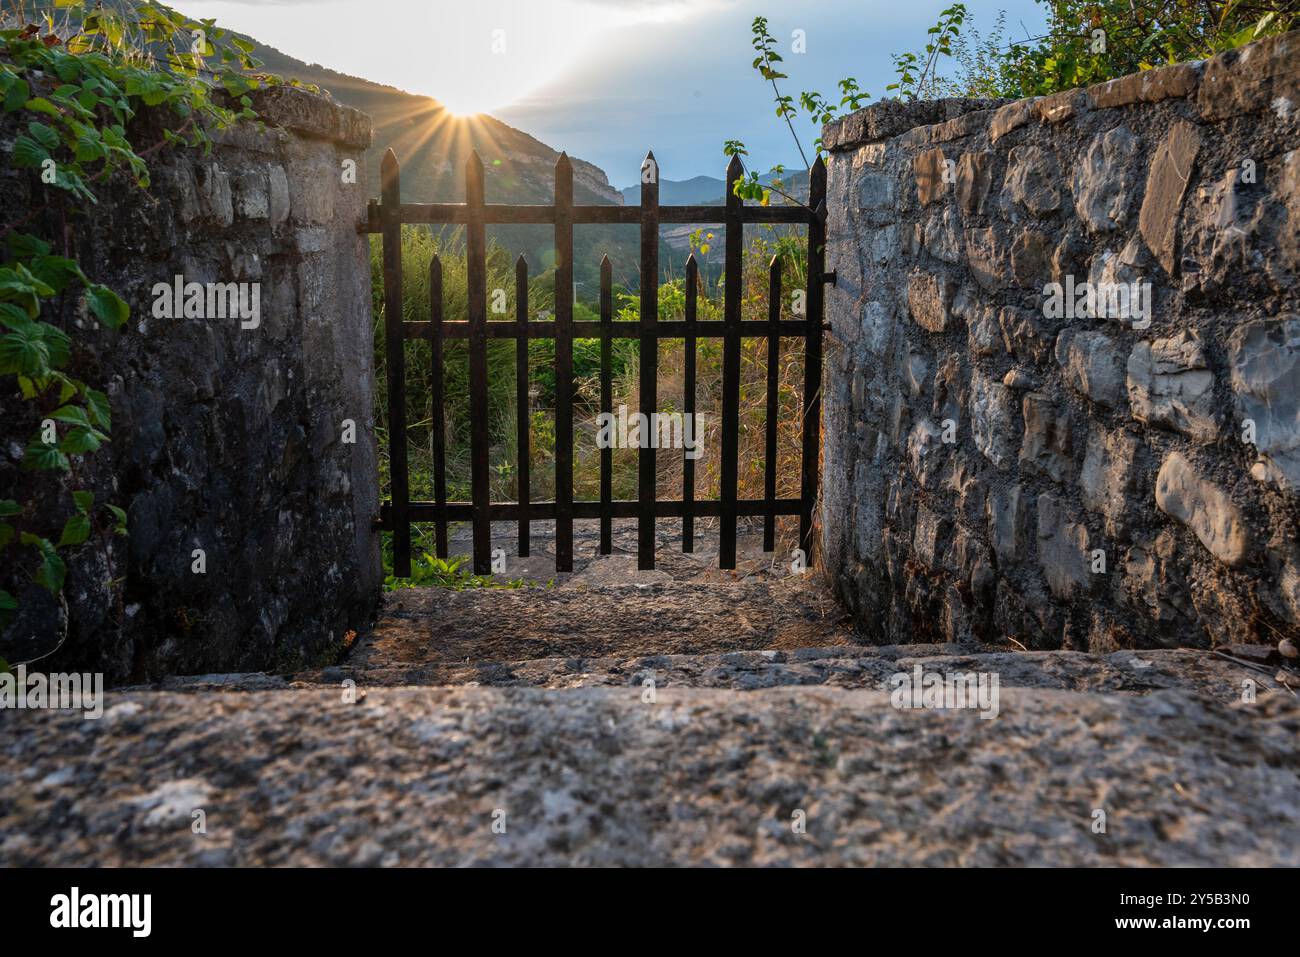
(598, 776)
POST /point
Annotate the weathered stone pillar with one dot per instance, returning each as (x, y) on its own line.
(248, 440)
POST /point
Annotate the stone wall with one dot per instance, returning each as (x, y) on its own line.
(997, 468)
(225, 439)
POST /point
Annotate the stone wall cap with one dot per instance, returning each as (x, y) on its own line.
(314, 115)
(890, 118)
(1250, 76)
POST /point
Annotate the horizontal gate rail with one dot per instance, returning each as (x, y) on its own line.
(502, 215)
(387, 218)
(624, 329)
(546, 511)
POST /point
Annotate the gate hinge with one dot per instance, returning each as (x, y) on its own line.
(832, 277)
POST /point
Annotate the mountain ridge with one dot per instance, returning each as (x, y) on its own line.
(432, 147)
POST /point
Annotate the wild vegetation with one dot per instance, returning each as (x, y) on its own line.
(419, 245)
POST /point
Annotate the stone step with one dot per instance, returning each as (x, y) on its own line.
(1126, 672)
(598, 776)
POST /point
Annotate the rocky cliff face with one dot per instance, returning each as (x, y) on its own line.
(1064, 409)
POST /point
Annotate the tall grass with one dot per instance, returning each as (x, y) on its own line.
(419, 245)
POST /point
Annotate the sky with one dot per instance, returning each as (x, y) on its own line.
(607, 80)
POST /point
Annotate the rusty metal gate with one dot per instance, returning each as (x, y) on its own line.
(386, 218)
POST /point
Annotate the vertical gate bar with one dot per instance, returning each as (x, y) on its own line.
(648, 347)
(476, 268)
(688, 407)
(735, 226)
(563, 364)
(606, 405)
(438, 427)
(812, 372)
(523, 423)
(394, 337)
(773, 361)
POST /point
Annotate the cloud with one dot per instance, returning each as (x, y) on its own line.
(660, 11)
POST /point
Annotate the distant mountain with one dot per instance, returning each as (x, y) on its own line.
(698, 190)
(433, 146)
(707, 191)
(711, 190)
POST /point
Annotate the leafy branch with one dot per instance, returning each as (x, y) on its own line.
(912, 84)
(818, 108)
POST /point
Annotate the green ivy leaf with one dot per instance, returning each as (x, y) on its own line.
(57, 344)
(16, 94)
(43, 135)
(52, 570)
(23, 246)
(9, 507)
(24, 275)
(120, 515)
(108, 307)
(73, 414)
(6, 534)
(98, 407)
(56, 271)
(40, 457)
(28, 153)
(235, 84)
(67, 389)
(75, 531)
(25, 351)
(84, 501)
(67, 67)
(39, 104)
(89, 148)
(82, 440)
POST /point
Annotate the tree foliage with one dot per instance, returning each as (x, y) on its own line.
(1086, 42)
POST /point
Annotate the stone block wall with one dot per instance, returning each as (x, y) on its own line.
(1000, 466)
(226, 439)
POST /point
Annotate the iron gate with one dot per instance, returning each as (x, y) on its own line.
(387, 217)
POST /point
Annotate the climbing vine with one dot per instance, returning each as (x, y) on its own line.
(71, 81)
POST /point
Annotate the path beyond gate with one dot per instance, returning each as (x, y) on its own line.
(386, 218)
